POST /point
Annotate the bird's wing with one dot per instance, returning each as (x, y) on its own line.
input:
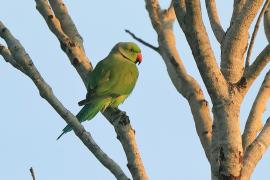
(111, 77)
(103, 78)
(100, 82)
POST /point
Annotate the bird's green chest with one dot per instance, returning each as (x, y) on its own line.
(127, 75)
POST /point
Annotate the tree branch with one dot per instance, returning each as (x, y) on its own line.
(195, 32)
(8, 58)
(126, 135)
(254, 122)
(183, 82)
(256, 28)
(83, 66)
(67, 24)
(24, 60)
(267, 23)
(237, 8)
(141, 40)
(255, 68)
(236, 40)
(255, 151)
(214, 20)
(74, 51)
(32, 173)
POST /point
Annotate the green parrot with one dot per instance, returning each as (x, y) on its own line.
(111, 82)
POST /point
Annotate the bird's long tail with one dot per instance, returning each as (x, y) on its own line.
(88, 112)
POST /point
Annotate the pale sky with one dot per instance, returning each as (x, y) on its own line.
(165, 130)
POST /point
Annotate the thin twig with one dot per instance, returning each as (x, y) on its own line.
(256, 28)
(142, 41)
(32, 173)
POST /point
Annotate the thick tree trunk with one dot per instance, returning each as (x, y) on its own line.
(227, 151)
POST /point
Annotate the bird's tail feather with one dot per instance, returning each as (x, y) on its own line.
(88, 112)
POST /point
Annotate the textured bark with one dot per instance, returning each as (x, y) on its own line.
(228, 154)
(214, 20)
(256, 28)
(195, 32)
(255, 69)
(235, 42)
(126, 135)
(183, 82)
(255, 151)
(73, 49)
(254, 122)
(228, 92)
(237, 8)
(267, 23)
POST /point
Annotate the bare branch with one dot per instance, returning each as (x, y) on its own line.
(83, 66)
(73, 50)
(142, 41)
(256, 67)
(24, 60)
(168, 15)
(8, 58)
(256, 28)
(180, 9)
(214, 19)
(196, 35)
(32, 173)
(267, 23)
(61, 12)
(237, 8)
(254, 122)
(255, 151)
(226, 137)
(126, 136)
(183, 82)
(235, 42)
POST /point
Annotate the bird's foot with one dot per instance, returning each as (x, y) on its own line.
(121, 117)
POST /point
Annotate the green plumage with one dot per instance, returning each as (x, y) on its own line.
(111, 82)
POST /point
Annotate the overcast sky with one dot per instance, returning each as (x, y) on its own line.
(165, 130)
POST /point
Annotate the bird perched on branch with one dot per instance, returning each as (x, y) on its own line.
(111, 82)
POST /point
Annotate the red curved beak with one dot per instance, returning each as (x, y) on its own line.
(139, 58)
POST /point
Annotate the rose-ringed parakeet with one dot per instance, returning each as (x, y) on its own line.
(111, 82)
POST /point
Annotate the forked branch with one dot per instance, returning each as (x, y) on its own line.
(256, 28)
(192, 25)
(23, 60)
(235, 42)
(58, 20)
(185, 84)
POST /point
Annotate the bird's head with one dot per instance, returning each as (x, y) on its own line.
(129, 51)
